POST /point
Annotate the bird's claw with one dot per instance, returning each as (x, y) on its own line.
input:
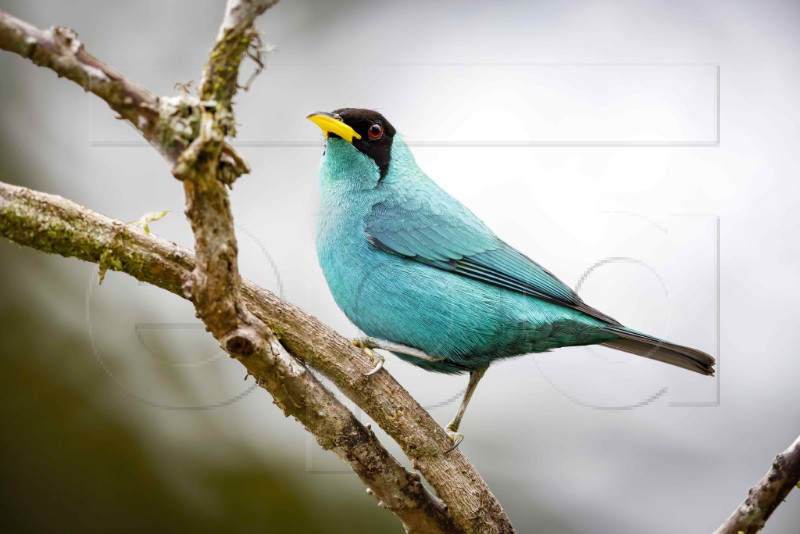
(456, 436)
(376, 357)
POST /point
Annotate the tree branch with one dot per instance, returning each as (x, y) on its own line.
(204, 163)
(59, 226)
(165, 123)
(221, 74)
(766, 495)
(215, 284)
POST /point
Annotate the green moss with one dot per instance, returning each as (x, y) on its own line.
(56, 229)
(223, 65)
(178, 121)
(28, 224)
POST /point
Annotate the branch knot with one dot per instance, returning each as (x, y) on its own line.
(241, 342)
(66, 39)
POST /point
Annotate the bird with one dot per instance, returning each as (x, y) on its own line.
(425, 279)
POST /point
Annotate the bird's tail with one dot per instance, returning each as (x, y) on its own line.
(658, 349)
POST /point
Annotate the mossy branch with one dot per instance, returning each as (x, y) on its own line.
(237, 33)
(56, 225)
(168, 123)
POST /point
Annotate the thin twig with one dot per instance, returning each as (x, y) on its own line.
(220, 79)
(59, 50)
(766, 495)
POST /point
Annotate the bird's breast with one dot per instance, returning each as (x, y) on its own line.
(342, 249)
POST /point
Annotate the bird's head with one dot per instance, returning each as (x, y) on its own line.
(363, 130)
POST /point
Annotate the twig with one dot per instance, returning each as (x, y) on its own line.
(766, 495)
(59, 50)
(221, 73)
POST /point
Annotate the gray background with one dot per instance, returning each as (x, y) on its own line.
(643, 151)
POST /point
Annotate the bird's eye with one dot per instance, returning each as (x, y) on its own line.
(375, 131)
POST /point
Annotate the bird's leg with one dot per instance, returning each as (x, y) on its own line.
(452, 426)
(368, 343)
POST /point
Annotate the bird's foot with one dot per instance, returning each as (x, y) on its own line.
(368, 343)
(365, 345)
(375, 343)
(455, 435)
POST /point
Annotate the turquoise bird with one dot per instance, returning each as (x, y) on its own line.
(426, 279)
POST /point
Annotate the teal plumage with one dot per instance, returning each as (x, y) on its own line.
(410, 264)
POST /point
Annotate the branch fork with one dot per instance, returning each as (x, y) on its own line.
(190, 133)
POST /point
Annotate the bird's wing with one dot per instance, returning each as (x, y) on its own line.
(450, 237)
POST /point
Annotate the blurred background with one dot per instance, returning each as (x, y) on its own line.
(643, 151)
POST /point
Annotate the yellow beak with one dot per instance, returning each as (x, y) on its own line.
(331, 123)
